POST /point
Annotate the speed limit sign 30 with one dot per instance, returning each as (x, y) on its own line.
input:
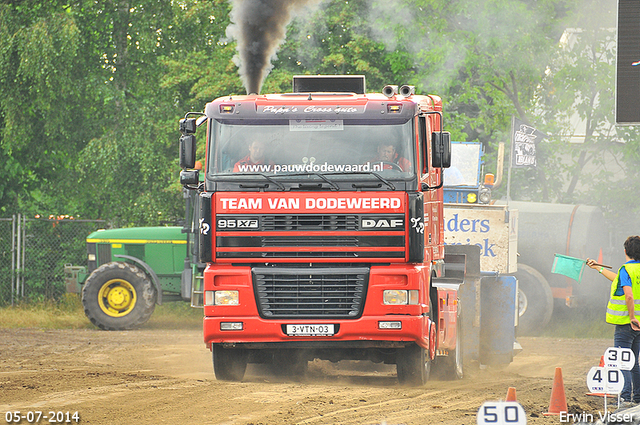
(619, 358)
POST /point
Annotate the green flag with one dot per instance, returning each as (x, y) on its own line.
(568, 266)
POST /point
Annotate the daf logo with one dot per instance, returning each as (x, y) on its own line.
(238, 223)
(382, 223)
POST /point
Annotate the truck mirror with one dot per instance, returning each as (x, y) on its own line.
(441, 149)
(188, 126)
(188, 151)
(189, 177)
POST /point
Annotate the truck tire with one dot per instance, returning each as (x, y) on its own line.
(118, 296)
(451, 367)
(414, 365)
(229, 364)
(535, 300)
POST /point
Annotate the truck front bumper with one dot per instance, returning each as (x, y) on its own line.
(364, 332)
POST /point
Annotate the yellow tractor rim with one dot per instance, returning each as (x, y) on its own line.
(117, 298)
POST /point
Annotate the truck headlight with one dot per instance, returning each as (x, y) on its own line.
(399, 297)
(221, 298)
(395, 297)
(484, 195)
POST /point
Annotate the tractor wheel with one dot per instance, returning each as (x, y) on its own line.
(229, 364)
(535, 300)
(118, 296)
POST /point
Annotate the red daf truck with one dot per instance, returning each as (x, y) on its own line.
(321, 223)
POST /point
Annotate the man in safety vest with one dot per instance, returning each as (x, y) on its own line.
(623, 311)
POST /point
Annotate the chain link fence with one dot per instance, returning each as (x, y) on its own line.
(33, 252)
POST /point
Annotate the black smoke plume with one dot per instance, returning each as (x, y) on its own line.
(259, 28)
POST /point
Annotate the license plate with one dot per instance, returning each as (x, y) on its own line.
(310, 330)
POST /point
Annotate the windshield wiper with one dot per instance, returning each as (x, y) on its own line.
(266, 177)
(359, 186)
(322, 176)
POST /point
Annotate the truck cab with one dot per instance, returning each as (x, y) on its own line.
(321, 223)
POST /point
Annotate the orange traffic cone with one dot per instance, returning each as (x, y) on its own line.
(558, 402)
(601, 361)
(511, 394)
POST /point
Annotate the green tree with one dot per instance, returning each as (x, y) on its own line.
(576, 101)
(42, 107)
(124, 171)
(86, 128)
(495, 56)
(339, 39)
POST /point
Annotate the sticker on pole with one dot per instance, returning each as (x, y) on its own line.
(604, 380)
(501, 413)
(619, 358)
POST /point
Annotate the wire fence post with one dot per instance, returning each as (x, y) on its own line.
(21, 241)
(13, 258)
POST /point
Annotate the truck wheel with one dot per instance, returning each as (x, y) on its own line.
(450, 368)
(535, 300)
(229, 364)
(414, 365)
(118, 296)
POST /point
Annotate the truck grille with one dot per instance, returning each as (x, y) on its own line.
(319, 293)
(309, 222)
(282, 236)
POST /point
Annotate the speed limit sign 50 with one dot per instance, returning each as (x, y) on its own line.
(501, 413)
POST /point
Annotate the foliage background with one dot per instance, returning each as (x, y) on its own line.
(92, 92)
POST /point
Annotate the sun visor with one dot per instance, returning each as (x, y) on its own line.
(329, 84)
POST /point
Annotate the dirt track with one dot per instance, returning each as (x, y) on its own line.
(165, 376)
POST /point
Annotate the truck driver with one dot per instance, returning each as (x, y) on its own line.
(256, 156)
(388, 155)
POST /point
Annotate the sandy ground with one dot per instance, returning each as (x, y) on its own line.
(155, 376)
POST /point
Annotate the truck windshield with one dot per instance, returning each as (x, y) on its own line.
(466, 164)
(286, 147)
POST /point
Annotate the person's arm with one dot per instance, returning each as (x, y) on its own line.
(631, 307)
(609, 274)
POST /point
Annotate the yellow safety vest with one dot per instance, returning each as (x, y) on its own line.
(617, 313)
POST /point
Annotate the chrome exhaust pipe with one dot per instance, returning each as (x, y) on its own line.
(390, 91)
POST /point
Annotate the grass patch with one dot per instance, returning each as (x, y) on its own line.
(175, 315)
(576, 323)
(64, 314)
(68, 313)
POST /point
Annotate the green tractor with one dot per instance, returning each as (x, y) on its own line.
(131, 270)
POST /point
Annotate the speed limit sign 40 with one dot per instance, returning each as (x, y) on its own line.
(605, 380)
(501, 413)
